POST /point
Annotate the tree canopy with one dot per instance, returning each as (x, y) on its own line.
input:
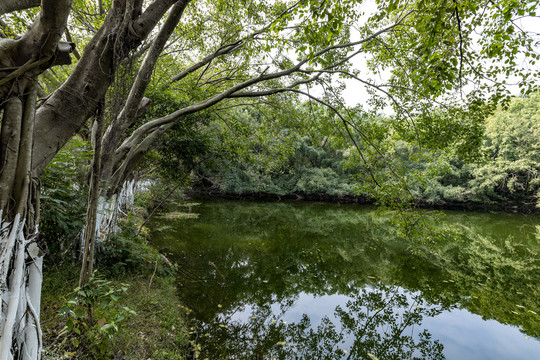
(416, 56)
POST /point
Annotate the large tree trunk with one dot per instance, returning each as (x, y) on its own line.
(20, 256)
(21, 61)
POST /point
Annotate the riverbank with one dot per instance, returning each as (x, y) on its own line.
(131, 310)
(523, 207)
(156, 331)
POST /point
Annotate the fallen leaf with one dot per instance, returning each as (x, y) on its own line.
(101, 322)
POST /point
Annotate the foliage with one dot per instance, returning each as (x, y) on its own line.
(158, 331)
(93, 314)
(387, 165)
(513, 168)
(309, 170)
(429, 54)
(273, 152)
(510, 169)
(127, 251)
(157, 191)
(64, 194)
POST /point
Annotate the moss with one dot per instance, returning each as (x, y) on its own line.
(180, 215)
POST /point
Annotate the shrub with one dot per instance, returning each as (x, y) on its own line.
(93, 314)
(129, 252)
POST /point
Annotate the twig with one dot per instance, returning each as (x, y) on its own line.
(154, 273)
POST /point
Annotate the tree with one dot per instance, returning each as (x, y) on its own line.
(513, 169)
(22, 60)
(252, 49)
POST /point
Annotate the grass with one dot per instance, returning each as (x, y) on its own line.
(158, 331)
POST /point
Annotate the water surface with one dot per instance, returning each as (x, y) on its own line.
(324, 281)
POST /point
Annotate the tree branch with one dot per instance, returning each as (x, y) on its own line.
(144, 24)
(139, 133)
(129, 113)
(7, 6)
(90, 79)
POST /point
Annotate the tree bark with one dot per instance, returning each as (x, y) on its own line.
(20, 255)
(93, 197)
(69, 107)
(7, 6)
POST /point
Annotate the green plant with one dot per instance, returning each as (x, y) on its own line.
(128, 252)
(63, 195)
(159, 193)
(93, 314)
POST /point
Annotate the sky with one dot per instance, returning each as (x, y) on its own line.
(356, 94)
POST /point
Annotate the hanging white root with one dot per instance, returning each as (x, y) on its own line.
(20, 294)
(14, 291)
(108, 210)
(106, 216)
(32, 332)
(126, 198)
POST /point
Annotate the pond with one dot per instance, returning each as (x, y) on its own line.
(328, 281)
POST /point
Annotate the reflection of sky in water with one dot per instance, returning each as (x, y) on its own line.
(233, 246)
(465, 336)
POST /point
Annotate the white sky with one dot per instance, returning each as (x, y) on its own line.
(356, 93)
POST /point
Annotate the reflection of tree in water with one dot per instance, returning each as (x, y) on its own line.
(247, 256)
(381, 322)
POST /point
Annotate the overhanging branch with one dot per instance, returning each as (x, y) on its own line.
(7, 6)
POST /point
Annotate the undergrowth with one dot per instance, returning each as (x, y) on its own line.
(128, 310)
(153, 327)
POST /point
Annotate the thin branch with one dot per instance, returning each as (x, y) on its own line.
(229, 48)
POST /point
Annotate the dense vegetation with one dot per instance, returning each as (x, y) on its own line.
(272, 154)
(503, 171)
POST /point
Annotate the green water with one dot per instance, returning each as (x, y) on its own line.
(320, 281)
